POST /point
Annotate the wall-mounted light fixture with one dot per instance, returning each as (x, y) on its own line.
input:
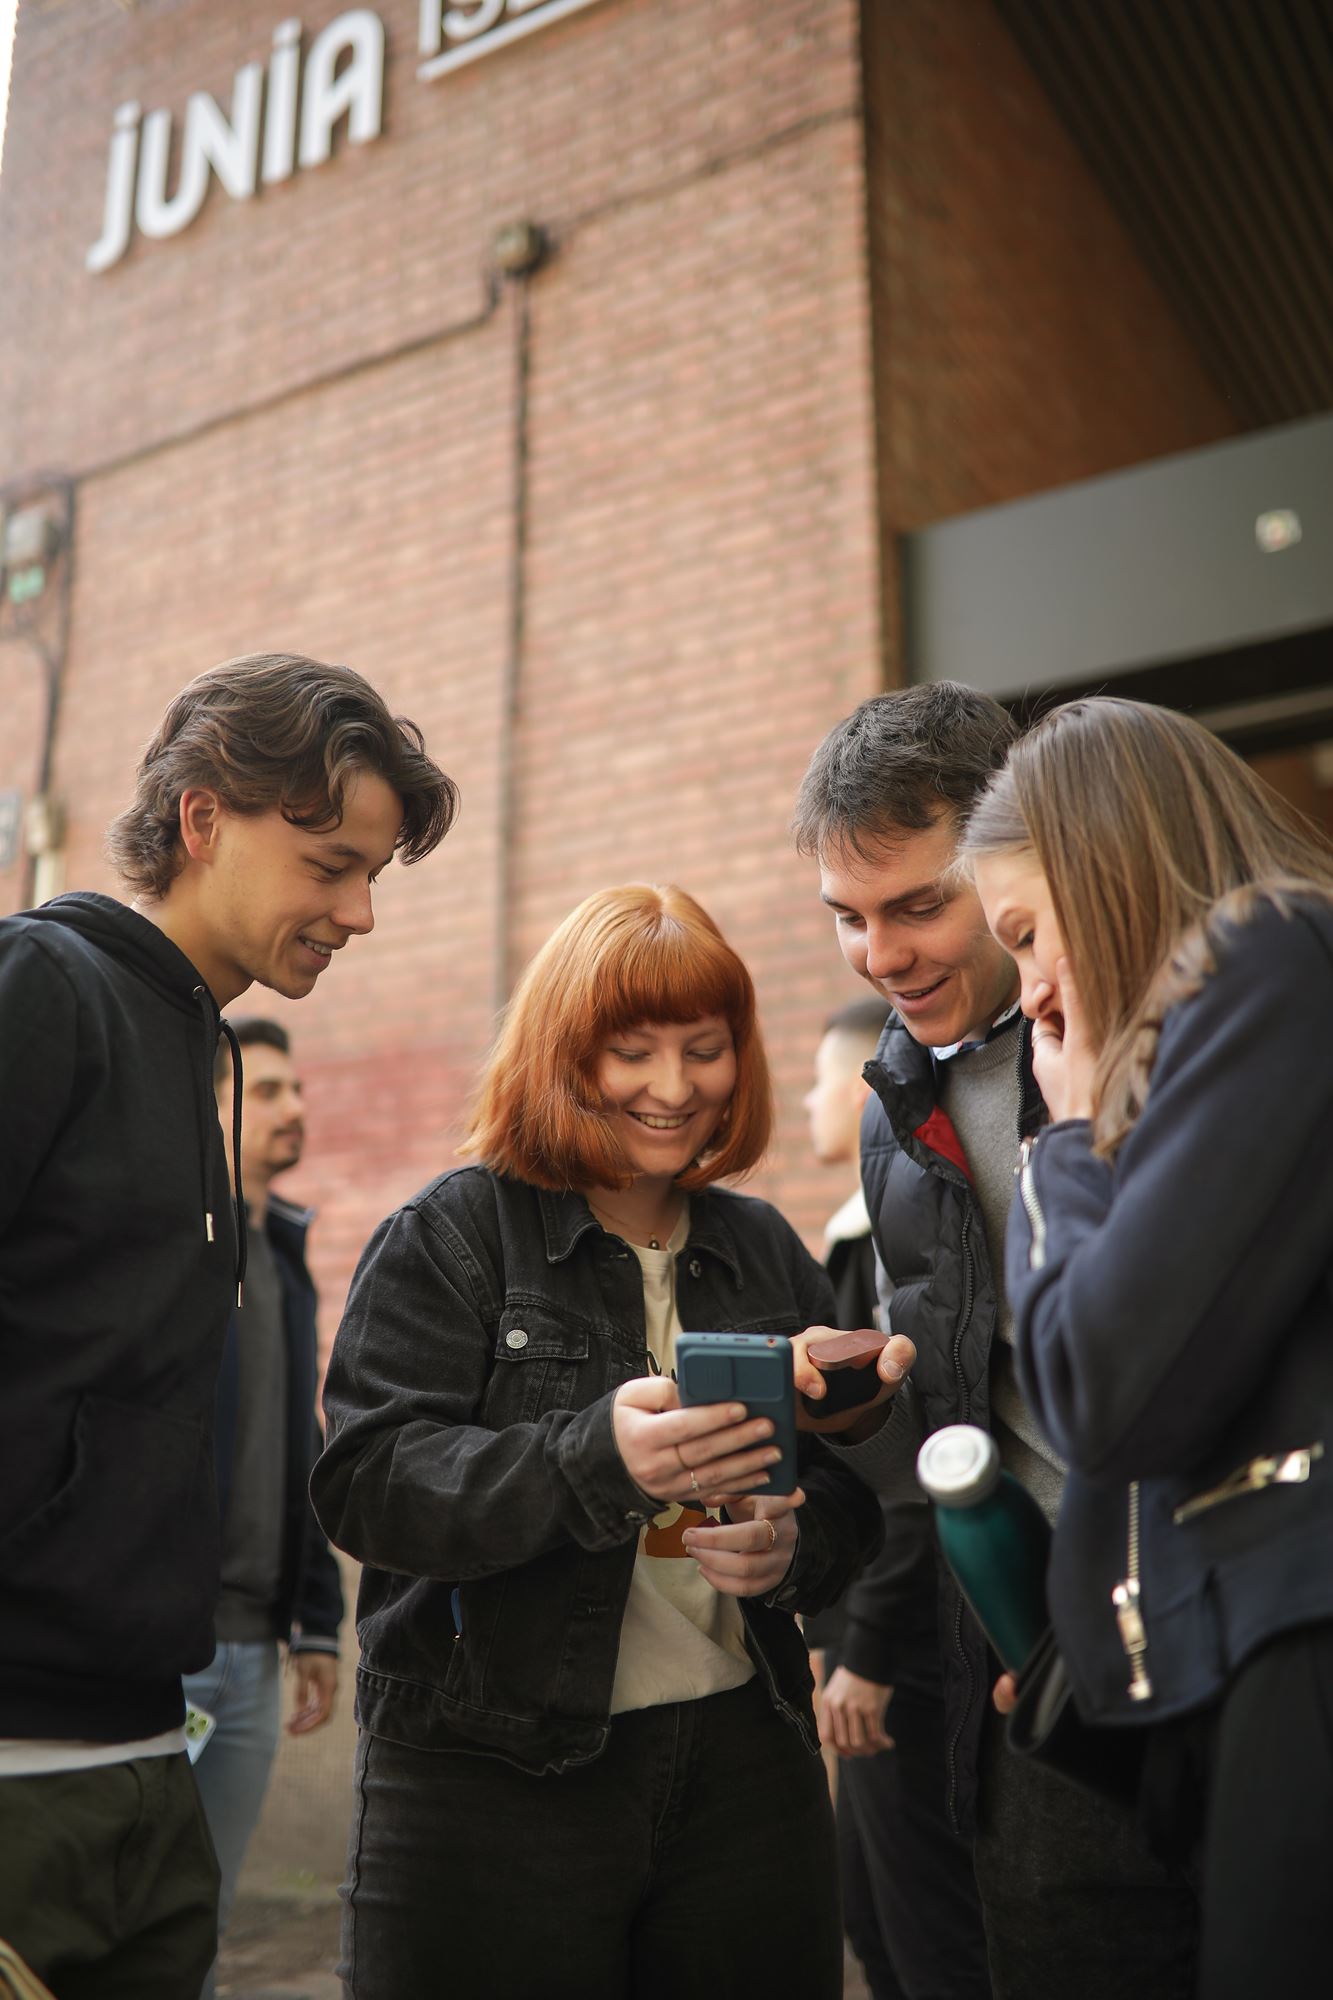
(518, 248)
(31, 543)
(1278, 529)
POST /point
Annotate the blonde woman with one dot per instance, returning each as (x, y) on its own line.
(1169, 1266)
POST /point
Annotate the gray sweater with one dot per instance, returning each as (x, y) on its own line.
(980, 1093)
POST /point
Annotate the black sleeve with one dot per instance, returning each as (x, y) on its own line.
(318, 1611)
(38, 1044)
(890, 1611)
(408, 1479)
(839, 1527)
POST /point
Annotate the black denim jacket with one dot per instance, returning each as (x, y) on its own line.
(471, 1463)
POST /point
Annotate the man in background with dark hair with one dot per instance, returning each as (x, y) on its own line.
(1073, 1903)
(274, 791)
(279, 1579)
(909, 1895)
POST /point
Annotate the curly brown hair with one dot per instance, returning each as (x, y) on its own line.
(275, 729)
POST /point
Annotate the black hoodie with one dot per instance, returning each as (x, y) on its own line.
(117, 1256)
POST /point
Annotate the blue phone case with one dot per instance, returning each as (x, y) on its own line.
(750, 1368)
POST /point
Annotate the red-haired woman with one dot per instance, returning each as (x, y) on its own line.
(588, 1764)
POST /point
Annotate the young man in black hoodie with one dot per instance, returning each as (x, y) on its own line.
(274, 792)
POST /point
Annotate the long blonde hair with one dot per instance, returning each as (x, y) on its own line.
(1148, 830)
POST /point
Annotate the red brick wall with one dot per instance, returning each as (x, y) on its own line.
(700, 590)
(293, 425)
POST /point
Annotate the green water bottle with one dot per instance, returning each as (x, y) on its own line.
(994, 1535)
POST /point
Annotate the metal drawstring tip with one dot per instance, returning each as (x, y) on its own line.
(208, 1224)
(240, 1295)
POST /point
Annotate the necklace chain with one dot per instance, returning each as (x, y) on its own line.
(658, 1240)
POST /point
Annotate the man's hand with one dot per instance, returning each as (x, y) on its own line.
(851, 1715)
(316, 1679)
(853, 1426)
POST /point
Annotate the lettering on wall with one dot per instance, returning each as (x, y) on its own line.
(283, 112)
(282, 118)
(451, 34)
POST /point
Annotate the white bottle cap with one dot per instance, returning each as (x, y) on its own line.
(959, 1465)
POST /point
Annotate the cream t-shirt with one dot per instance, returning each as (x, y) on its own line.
(681, 1638)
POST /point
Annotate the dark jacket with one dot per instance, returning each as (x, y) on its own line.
(471, 1461)
(884, 1627)
(931, 1236)
(1175, 1328)
(117, 1263)
(309, 1606)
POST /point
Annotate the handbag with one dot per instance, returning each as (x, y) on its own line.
(1047, 1726)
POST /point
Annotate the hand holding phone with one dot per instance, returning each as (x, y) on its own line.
(750, 1368)
(749, 1553)
(676, 1454)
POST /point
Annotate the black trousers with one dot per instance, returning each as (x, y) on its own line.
(694, 1856)
(1076, 1905)
(910, 1900)
(1268, 1850)
(108, 1880)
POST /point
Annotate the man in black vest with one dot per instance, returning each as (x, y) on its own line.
(909, 1898)
(1073, 1904)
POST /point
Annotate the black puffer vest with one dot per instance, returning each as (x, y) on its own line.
(929, 1231)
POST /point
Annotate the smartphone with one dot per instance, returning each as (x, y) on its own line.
(750, 1368)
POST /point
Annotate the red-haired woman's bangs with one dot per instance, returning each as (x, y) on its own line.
(626, 958)
(677, 971)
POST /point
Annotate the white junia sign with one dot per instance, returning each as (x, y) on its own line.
(233, 151)
(283, 113)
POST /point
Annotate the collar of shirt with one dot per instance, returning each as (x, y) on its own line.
(978, 1041)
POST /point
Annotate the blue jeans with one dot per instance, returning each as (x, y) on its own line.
(242, 1687)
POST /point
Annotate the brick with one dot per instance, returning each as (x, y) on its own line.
(771, 337)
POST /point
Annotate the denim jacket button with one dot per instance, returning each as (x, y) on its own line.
(696, 1268)
(516, 1337)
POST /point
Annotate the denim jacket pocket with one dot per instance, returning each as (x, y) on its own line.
(538, 1359)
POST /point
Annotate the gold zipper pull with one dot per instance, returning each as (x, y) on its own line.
(1290, 1468)
(1294, 1468)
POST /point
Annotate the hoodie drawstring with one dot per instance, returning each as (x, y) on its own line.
(213, 1023)
(242, 1228)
